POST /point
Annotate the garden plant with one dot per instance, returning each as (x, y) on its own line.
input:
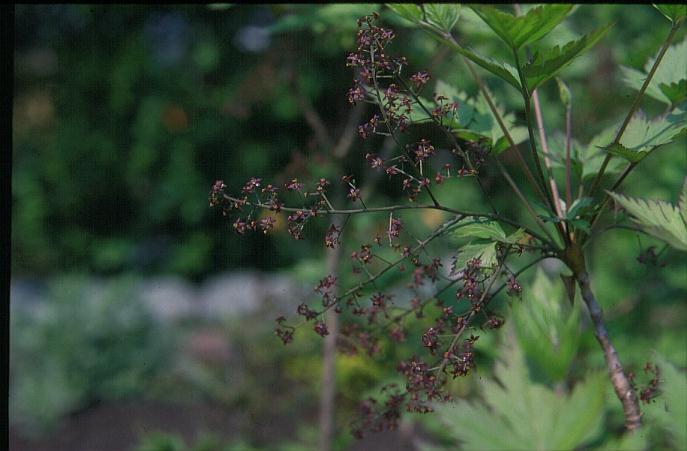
(435, 134)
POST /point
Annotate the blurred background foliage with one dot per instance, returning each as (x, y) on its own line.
(124, 116)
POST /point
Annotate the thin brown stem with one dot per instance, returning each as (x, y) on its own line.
(545, 151)
(620, 381)
(483, 300)
(389, 208)
(328, 391)
(568, 143)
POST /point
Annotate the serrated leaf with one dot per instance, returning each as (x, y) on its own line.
(475, 120)
(519, 134)
(523, 414)
(516, 237)
(673, 12)
(442, 15)
(668, 84)
(657, 218)
(547, 63)
(592, 156)
(485, 252)
(409, 11)
(669, 411)
(501, 69)
(642, 136)
(547, 326)
(525, 29)
(488, 230)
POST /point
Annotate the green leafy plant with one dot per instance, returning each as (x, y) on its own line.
(468, 144)
(82, 347)
(518, 413)
(660, 219)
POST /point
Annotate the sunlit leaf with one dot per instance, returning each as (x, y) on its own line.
(525, 29)
(489, 230)
(657, 218)
(669, 83)
(485, 252)
(642, 136)
(409, 11)
(520, 414)
(547, 326)
(442, 15)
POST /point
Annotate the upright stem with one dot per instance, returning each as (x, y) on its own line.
(575, 259)
(621, 384)
(528, 117)
(328, 391)
(545, 150)
(568, 142)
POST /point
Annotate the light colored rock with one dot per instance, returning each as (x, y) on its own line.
(169, 298)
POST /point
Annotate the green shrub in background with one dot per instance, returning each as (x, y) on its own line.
(83, 345)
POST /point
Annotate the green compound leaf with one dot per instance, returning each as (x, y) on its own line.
(486, 252)
(442, 15)
(673, 12)
(488, 230)
(642, 136)
(501, 69)
(525, 29)
(520, 414)
(438, 20)
(657, 218)
(669, 83)
(549, 62)
(548, 327)
(474, 120)
(409, 11)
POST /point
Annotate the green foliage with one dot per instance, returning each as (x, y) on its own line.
(548, 327)
(502, 70)
(674, 13)
(669, 83)
(441, 16)
(521, 414)
(162, 442)
(669, 410)
(322, 18)
(549, 62)
(82, 347)
(489, 230)
(525, 29)
(643, 136)
(658, 218)
(474, 120)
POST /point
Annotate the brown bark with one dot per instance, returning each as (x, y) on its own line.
(621, 384)
(328, 391)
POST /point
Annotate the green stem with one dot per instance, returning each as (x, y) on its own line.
(530, 130)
